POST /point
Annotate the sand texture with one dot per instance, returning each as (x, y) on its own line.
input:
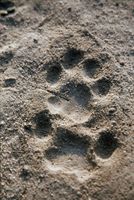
(67, 99)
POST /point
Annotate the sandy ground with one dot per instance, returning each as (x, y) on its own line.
(66, 99)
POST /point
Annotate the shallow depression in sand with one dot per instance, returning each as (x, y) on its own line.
(68, 109)
(69, 155)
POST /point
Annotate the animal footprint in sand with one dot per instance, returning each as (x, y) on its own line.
(69, 154)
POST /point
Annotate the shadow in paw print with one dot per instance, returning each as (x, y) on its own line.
(43, 123)
(67, 143)
(102, 86)
(80, 92)
(4, 5)
(91, 67)
(106, 145)
(70, 155)
(72, 57)
(53, 73)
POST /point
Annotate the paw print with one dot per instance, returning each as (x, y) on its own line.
(75, 81)
(69, 154)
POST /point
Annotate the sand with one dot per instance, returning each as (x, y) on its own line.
(66, 99)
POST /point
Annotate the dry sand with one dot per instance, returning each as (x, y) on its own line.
(66, 99)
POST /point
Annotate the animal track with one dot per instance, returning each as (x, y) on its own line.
(53, 73)
(102, 86)
(69, 154)
(106, 145)
(42, 124)
(71, 103)
(91, 66)
(67, 109)
(68, 143)
(72, 57)
(79, 92)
